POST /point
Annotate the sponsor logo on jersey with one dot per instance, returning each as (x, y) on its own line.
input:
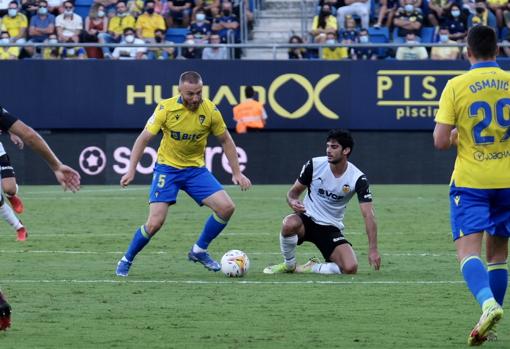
(201, 118)
(346, 188)
(151, 119)
(340, 238)
(457, 199)
(181, 136)
(177, 117)
(327, 194)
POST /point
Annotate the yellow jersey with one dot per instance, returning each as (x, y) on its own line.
(185, 132)
(117, 24)
(13, 25)
(478, 104)
(149, 23)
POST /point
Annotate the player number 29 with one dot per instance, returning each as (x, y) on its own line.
(499, 107)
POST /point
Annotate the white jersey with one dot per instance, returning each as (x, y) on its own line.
(327, 195)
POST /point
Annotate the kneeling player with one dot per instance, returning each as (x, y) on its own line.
(331, 182)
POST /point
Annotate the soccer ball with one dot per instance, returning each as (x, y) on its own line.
(235, 263)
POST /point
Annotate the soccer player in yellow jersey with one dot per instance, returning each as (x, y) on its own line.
(185, 120)
(474, 114)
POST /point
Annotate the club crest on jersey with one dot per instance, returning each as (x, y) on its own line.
(346, 188)
(201, 118)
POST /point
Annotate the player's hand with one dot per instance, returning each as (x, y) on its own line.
(16, 140)
(242, 181)
(68, 178)
(297, 206)
(454, 137)
(5, 314)
(374, 259)
(126, 179)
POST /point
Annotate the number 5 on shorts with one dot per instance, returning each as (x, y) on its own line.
(161, 180)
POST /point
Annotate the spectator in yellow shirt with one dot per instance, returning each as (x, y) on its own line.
(116, 26)
(7, 52)
(148, 22)
(334, 53)
(324, 23)
(15, 23)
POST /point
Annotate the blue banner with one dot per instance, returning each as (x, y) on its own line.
(303, 95)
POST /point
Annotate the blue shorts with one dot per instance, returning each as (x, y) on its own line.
(197, 182)
(479, 210)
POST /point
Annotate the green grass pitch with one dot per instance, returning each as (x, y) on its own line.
(64, 293)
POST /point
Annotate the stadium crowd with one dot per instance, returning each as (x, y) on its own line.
(337, 22)
(444, 22)
(118, 21)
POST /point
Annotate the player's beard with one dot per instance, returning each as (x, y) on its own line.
(192, 106)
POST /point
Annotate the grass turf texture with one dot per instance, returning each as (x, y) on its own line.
(64, 293)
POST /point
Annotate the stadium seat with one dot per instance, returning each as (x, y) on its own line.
(503, 34)
(427, 34)
(176, 35)
(82, 10)
(83, 3)
(377, 36)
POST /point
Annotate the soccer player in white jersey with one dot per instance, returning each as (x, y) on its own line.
(331, 182)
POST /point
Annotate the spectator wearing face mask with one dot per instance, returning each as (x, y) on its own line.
(482, 15)
(180, 12)
(163, 52)
(200, 28)
(215, 52)
(73, 52)
(444, 53)
(334, 53)
(15, 23)
(51, 52)
(324, 23)
(411, 52)
(95, 23)
(116, 26)
(227, 24)
(42, 24)
(191, 52)
(148, 22)
(457, 24)
(7, 52)
(130, 52)
(408, 19)
(363, 53)
(69, 25)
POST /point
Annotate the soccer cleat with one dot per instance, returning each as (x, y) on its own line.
(5, 313)
(307, 267)
(16, 203)
(488, 320)
(21, 234)
(123, 267)
(204, 259)
(278, 269)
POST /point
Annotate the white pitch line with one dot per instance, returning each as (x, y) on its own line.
(232, 281)
(406, 254)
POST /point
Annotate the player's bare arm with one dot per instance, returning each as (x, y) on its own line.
(293, 197)
(229, 148)
(17, 141)
(66, 176)
(367, 211)
(442, 136)
(136, 154)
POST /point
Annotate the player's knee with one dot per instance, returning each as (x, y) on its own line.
(226, 211)
(349, 268)
(290, 225)
(153, 226)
